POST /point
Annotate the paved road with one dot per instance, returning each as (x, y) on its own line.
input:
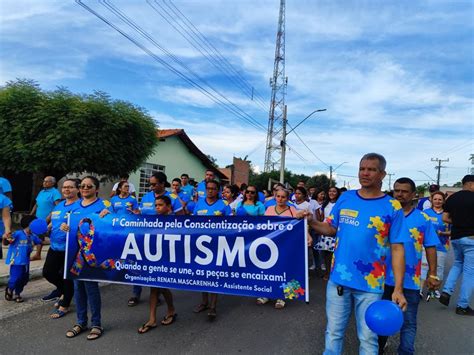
(241, 327)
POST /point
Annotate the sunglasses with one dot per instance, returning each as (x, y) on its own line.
(87, 186)
(250, 192)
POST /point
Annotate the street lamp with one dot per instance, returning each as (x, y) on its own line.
(283, 140)
(420, 171)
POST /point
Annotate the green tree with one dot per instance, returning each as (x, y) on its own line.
(59, 132)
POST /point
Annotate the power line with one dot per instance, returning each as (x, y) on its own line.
(193, 83)
(310, 150)
(217, 53)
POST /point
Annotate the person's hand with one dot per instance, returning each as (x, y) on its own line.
(399, 298)
(104, 213)
(309, 239)
(303, 213)
(64, 227)
(433, 283)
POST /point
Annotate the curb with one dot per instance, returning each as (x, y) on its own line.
(35, 273)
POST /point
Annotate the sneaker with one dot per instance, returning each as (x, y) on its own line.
(437, 294)
(421, 294)
(468, 311)
(444, 298)
(53, 296)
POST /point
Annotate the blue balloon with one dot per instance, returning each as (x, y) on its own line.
(384, 317)
(39, 226)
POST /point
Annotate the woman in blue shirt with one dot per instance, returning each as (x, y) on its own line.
(250, 204)
(123, 202)
(87, 293)
(53, 268)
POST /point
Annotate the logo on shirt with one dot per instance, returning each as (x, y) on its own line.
(350, 213)
(347, 216)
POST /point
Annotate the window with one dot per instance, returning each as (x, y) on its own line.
(147, 170)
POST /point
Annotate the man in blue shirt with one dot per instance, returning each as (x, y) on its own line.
(186, 186)
(46, 200)
(6, 220)
(422, 234)
(183, 196)
(201, 187)
(368, 226)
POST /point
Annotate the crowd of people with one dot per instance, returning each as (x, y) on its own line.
(366, 244)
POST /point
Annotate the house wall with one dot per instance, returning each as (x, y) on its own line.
(172, 153)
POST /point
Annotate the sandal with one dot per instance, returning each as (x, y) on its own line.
(145, 328)
(279, 304)
(95, 333)
(75, 331)
(19, 299)
(8, 294)
(133, 301)
(212, 314)
(200, 308)
(262, 300)
(168, 320)
(58, 314)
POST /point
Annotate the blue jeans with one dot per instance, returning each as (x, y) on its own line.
(87, 293)
(408, 331)
(19, 276)
(137, 291)
(338, 312)
(463, 264)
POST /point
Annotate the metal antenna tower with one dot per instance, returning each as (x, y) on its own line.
(277, 116)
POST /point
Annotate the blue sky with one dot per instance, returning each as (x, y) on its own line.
(396, 77)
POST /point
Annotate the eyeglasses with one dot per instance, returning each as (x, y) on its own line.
(69, 187)
(250, 192)
(86, 187)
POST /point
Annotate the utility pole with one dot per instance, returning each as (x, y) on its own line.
(331, 170)
(278, 83)
(283, 149)
(390, 181)
(439, 161)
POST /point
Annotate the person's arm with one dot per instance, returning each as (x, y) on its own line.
(432, 280)
(33, 211)
(323, 228)
(447, 218)
(7, 221)
(398, 267)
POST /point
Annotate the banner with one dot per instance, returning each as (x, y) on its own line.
(247, 256)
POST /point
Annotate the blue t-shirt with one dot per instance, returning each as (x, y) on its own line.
(45, 202)
(201, 189)
(19, 251)
(422, 234)
(218, 208)
(185, 196)
(59, 215)
(253, 210)
(5, 186)
(121, 205)
(438, 224)
(261, 197)
(189, 190)
(94, 208)
(147, 204)
(422, 203)
(365, 228)
(4, 202)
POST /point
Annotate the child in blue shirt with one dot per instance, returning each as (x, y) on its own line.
(18, 257)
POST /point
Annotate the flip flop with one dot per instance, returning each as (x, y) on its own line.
(145, 328)
(133, 301)
(212, 314)
(168, 320)
(75, 331)
(200, 308)
(8, 294)
(58, 314)
(95, 333)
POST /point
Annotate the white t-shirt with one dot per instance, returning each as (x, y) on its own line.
(131, 189)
